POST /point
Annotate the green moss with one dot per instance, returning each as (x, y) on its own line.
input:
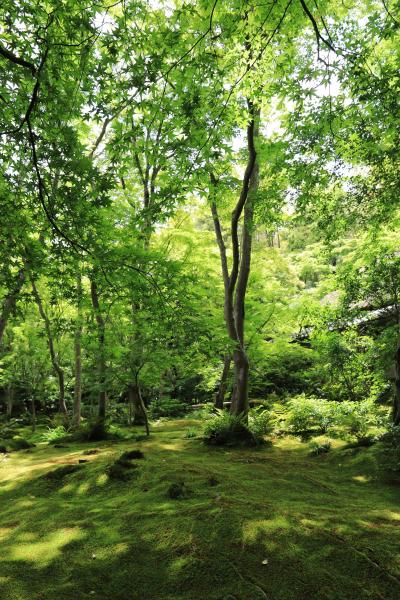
(276, 520)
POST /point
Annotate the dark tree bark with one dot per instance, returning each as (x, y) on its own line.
(235, 281)
(33, 408)
(396, 398)
(53, 356)
(78, 354)
(137, 415)
(101, 361)
(10, 301)
(223, 383)
(10, 402)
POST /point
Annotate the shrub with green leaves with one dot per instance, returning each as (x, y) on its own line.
(314, 414)
(190, 433)
(260, 421)
(307, 413)
(391, 444)
(225, 430)
(167, 407)
(54, 434)
(319, 447)
(354, 417)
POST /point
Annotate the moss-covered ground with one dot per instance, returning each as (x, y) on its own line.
(267, 523)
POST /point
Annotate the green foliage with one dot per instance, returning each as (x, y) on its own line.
(260, 422)
(390, 441)
(226, 429)
(354, 418)
(19, 443)
(191, 433)
(167, 407)
(319, 447)
(54, 435)
(92, 431)
(306, 413)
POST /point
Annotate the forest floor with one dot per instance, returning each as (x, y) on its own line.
(266, 523)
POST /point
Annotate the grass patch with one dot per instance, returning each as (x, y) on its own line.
(275, 520)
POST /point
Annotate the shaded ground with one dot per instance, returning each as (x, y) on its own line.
(271, 523)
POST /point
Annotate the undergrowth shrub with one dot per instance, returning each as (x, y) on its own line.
(355, 417)
(96, 431)
(391, 444)
(319, 447)
(207, 411)
(20, 443)
(167, 407)
(54, 434)
(305, 413)
(190, 433)
(260, 421)
(309, 413)
(226, 429)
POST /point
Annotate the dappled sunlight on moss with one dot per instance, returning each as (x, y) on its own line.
(361, 478)
(303, 516)
(47, 549)
(252, 529)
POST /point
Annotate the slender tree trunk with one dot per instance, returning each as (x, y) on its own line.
(10, 301)
(223, 383)
(142, 406)
(101, 362)
(33, 409)
(235, 281)
(10, 402)
(56, 366)
(138, 417)
(396, 399)
(78, 354)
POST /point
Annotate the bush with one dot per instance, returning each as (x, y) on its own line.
(19, 443)
(91, 431)
(9, 429)
(391, 443)
(167, 407)
(355, 417)
(55, 434)
(228, 430)
(391, 438)
(205, 412)
(260, 422)
(190, 433)
(307, 413)
(317, 448)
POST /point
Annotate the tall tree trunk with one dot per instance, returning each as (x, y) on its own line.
(396, 399)
(223, 383)
(10, 301)
(101, 362)
(141, 403)
(138, 417)
(33, 408)
(54, 361)
(235, 281)
(78, 353)
(10, 402)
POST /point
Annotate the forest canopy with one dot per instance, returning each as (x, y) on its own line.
(199, 201)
